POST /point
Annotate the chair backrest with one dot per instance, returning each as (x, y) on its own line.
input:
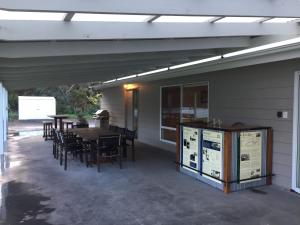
(61, 138)
(121, 130)
(81, 126)
(130, 135)
(53, 133)
(109, 142)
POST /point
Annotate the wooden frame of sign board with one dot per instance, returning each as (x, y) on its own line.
(229, 135)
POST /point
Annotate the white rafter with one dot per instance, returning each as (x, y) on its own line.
(46, 49)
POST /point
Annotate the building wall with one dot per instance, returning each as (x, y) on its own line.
(251, 95)
(113, 101)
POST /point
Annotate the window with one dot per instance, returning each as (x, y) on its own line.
(182, 103)
(109, 17)
(194, 103)
(281, 20)
(183, 19)
(11, 15)
(170, 112)
(239, 20)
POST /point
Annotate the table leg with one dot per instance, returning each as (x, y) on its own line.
(55, 123)
(61, 128)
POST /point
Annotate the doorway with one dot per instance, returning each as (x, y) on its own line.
(296, 135)
(132, 109)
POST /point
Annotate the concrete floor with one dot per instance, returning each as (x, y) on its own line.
(36, 190)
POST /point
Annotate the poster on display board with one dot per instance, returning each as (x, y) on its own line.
(190, 149)
(212, 150)
(250, 151)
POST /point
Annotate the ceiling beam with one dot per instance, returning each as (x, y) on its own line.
(266, 8)
(86, 59)
(153, 18)
(49, 49)
(50, 30)
(69, 17)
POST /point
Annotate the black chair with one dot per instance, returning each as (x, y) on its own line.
(88, 148)
(56, 143)
(113, 128)
(47, 130)
(129, 137)
(81, 126)
(68, 144)
(109, 147)
(68, 125)
(121, 130)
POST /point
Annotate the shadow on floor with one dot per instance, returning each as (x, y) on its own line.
(20, 205)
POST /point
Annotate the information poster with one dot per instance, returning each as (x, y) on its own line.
(212, 154)
(190, 150)
(250, 155)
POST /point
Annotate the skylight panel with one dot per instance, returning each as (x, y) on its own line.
(109, 17)
(280, 20)
(239, 20)
(183, 19)
(13, 15)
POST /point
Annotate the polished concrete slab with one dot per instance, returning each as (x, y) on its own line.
(36, 190)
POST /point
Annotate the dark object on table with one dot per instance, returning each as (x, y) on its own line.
(82, 122)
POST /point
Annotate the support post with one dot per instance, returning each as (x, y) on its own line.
(1, 119)
(227, 161)
(269, 155)
(177, 147)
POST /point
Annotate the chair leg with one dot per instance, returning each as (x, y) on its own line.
(120, 157)
(87, 157)
(98, 161)
(53, 149)
(66, 159)
(81, 155)
(57, 151)
(61, 155)
(124, 154)
(43, 130)
(133, 152)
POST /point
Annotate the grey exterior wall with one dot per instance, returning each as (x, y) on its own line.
(113, 101)
(251, 95)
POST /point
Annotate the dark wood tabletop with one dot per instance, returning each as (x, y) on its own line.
(92, 134)
(59, 116)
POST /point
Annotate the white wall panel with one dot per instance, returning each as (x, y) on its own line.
(32, 107)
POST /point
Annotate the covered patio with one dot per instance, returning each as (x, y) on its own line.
(36, 190)
(161, 67)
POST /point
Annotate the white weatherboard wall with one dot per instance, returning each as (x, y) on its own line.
(3, 117)
(34, 107)
(252, 95)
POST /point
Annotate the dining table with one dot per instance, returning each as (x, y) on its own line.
(58, 118)
(92, 134)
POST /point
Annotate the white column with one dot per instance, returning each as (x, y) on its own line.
(5, 114)
(1, 120)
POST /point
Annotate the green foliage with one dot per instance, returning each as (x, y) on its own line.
(70, 99)
(12, 115)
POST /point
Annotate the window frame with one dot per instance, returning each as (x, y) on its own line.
(181, 85)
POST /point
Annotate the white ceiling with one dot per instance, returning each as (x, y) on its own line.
(70, 41)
